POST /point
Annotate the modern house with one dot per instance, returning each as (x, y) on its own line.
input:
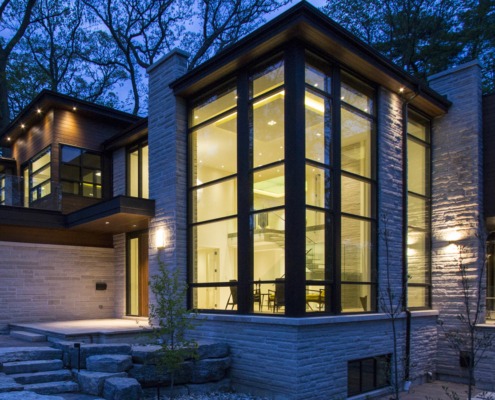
(304, 185)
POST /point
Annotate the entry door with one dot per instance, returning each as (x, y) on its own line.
(137, 274)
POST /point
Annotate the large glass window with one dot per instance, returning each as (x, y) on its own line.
(213, 194)
(418, 211)
(137, 171)
(243, 201)
(80, 172)
(368, 374)
(357, 182)
(37, 177)
(2, 189)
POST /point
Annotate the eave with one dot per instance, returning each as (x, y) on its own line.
(47, 100)
(135, 133)
(304, 22)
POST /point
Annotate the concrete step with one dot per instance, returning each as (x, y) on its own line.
(53, 387)
(7, 384)
(11, 354)
(42, 377)
(23, 367)
(28, 336)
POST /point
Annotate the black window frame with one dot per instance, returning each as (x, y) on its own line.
(295, 58)
(130, 149)
(80, 182)
(377, 361)
(38, 188)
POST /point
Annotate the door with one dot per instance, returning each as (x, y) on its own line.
(137, 274)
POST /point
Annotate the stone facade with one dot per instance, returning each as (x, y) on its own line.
(50, 282)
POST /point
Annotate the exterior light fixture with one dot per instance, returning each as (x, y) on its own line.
(401, 90)
(23, 126)
(8, 139)
(107, 223)
(74, 108)
(160, 238)
(38, 110)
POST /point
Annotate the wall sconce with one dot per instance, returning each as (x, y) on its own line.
(161, 238)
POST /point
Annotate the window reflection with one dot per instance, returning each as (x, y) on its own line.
(220, 102)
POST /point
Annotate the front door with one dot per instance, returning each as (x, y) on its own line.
(137, 274)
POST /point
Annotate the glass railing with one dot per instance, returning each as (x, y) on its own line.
(46, 195)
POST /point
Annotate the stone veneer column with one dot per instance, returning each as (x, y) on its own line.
(167, 139)
(456, 200)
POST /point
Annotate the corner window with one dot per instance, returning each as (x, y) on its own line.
(37, 178)
(418, 211)
(137, 171)
(80, 172)
(368, 374)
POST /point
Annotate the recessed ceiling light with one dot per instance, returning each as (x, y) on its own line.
(8, 139)
(23, 126)
(38, 111)
(342, 98)
(107, 223)
(272, 122)
(401, 90)
(74, 108)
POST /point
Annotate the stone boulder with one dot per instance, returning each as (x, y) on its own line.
(122, 389)
(109, 363)
(149, 374)
(211, 369)
(88, 350)
(91, 382)
(213, 350)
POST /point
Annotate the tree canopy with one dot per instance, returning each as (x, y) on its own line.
(98, 50)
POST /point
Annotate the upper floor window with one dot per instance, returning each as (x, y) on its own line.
(80, 172)
(137, 171)
(418, 211)
(37, 177)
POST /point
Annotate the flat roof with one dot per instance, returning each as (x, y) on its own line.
(312, 27)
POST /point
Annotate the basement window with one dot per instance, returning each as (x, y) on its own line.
(368, 374)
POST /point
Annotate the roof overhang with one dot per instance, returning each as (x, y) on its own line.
(304, 22)
(135, 133)
(48, 100)
(7, 164)
(117, 215)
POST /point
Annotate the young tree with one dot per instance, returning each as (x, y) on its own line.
(15, 17)
(170, 320)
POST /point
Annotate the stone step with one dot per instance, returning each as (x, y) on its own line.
(7, 384)
(11, 354)
(30, 396)
(28, 336)
(42, 377)
(53, 387)
(23, 367)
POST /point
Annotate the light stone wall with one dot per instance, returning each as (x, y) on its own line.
(456, 204)
(167, 139)
(51, 282)
(119, 244)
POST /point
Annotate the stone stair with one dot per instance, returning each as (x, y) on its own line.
(35, 369)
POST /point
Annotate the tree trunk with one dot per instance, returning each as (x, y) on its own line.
(4, 94)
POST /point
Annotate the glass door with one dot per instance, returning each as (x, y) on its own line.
(137, 274)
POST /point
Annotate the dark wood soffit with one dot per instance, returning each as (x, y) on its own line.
(30, 217)
(24, 234)
(319, 32)
(117, 215)
(133, 134)
(7, 163)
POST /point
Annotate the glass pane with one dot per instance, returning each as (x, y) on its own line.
(317, 78)
(215, 298)
(91, 176)
(356, 143)
(367, 375)
(269, 188)
(89, 190)
(318, 125)
(315, 298)
(145, 172)
(41, 162)
(356, 196)
(356, 298)
(41, 176)
(317, 186)
(417, 214)
(269, 246)
(45, 189)
(133, 278)
(315, 245)
(417, 296)
(356, 93)
(215, 201)
(71, 155)
(215, 105)
(356, 250)
(417, 256)
(134, 173)
(215, 251)
(382, 371)
(70, 187)
(70, 172)
(214, 150)
(353, 378)
(268, 130)
(25, 175)
(418, 129)
(418, 162)
(268, 79)
(91, 160)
